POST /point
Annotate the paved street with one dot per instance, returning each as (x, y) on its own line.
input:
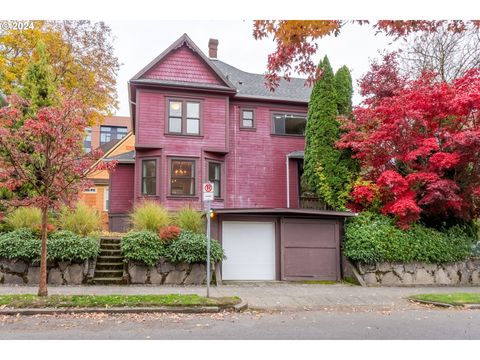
(418, 323)
(281, 311)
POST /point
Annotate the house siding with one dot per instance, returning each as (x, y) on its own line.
(183, 64)
(153, 142)
(257, 160)
(121, 188)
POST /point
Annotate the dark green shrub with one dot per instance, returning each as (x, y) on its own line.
(142, 246)
(372, 238)
(191, 220)
(192, 248)
(61, 246)
(20, 244)
(67, 246)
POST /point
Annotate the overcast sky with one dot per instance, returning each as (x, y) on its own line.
(139, 42)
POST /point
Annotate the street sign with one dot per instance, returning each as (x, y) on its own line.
(208, 194)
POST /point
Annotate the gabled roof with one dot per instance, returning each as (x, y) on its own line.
(123, 158)
(106, 154)
(252, 86)
(184, 40)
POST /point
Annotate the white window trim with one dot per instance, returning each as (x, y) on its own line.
(106, 194)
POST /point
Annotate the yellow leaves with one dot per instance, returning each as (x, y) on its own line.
(76, 52)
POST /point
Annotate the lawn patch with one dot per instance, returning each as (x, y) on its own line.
(108, 301)
(456, 299)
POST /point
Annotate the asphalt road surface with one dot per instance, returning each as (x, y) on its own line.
(419, 322)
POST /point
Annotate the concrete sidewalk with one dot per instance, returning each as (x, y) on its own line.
(269, 295)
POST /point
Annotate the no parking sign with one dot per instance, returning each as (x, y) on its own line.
(208, 194)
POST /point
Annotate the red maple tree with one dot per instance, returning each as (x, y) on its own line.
(418, 145)
(45, 152)
(295, 40)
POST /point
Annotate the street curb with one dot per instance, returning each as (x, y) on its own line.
(241, 307)
(118, 310)
(466, 306)
(430, 302)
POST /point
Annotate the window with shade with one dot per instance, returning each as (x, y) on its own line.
(289, 124)
(182, 178)
(215, 177)
(183, 117)
(149, 177)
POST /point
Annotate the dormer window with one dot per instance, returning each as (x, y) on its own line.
(183, 117)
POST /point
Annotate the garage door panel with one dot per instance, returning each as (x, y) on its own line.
(310, 249)
(305, 234)
(315, 263)
(250, 250)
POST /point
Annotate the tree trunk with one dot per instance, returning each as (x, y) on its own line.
(42, 288)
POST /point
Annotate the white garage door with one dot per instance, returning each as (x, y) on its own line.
(250, 250)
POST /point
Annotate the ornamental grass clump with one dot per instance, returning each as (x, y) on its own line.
(81, 220)
(149, 216)
(24, 218)
(191, 220)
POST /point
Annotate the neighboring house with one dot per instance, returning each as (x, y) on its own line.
(112, 128)
(98, 196)
(198, 119)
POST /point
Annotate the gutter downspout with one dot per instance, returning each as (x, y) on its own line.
(288, 181)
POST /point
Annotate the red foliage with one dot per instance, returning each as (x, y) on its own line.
(169, 233)
(421, 146)
(45, 152)
(295, 42)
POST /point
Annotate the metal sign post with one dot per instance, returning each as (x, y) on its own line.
(208, 196)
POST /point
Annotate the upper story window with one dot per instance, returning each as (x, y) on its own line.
(149, 177)
(182, 177)
(87, 141)
(215, 177)
(289, 124)
(247, 119)
(183, 117)
(109, 133)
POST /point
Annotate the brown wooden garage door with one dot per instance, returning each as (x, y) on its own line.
(310, 249)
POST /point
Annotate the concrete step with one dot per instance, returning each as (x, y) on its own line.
(110, 241)
(108, 281)
(110, 246)
(110, 252)
(109, 258)
(109, 266)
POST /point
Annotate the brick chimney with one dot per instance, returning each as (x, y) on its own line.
(212, 48)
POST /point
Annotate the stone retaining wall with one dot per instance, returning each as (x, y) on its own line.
(166, 273)
(392, 274)
(17, 271)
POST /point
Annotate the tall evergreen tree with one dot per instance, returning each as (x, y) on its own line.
(38, 85)
(327, 170)
(344, 91)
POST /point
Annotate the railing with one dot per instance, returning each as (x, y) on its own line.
(312, 202)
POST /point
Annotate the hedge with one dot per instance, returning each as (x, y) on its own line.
(189, 247)
(373, 238)
(61, 246)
